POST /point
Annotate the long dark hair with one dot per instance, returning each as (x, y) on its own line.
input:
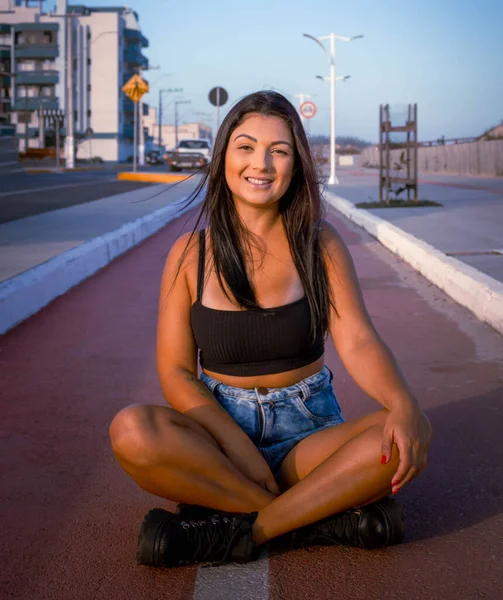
(301, 207)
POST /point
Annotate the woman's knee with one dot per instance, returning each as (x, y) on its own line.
(134, 432)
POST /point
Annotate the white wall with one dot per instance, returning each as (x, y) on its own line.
(105, 78)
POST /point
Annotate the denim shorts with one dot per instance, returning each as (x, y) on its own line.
(276, 419)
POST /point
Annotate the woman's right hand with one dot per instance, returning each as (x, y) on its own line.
(253, 466)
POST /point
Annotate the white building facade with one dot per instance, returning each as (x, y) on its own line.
(169, 133)
(107, 49)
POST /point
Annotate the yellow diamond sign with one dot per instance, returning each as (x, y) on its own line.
(135, 88)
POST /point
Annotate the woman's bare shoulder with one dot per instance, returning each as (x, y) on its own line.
(330, 238)
(184, 251)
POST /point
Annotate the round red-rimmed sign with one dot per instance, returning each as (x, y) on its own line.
(308, 109)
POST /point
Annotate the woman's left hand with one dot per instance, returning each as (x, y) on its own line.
(409, 429)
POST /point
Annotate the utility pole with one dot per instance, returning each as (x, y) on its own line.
(177, 102)
(161, 92)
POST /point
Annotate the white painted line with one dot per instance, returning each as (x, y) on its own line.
(57, 187)
(26, 293)
(477, 292)
(234, 582)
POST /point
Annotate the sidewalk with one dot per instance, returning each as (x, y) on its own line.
(71, 516)
(458, 246)
(469, 226)
(44, 255)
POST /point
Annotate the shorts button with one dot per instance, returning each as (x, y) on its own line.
(263, 391)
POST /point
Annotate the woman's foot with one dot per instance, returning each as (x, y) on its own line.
(168, 540)
(373, 526)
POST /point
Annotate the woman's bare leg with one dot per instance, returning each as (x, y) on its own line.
(330, 471)
(172, 456)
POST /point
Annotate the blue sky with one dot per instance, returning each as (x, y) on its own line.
(446, 55)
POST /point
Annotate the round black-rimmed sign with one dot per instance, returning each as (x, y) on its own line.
(218, 96)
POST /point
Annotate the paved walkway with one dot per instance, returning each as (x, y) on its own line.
(70, 516)
(26, 243)
(469, 225)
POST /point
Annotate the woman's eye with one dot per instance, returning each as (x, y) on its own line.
(245, 147)
(278, 151)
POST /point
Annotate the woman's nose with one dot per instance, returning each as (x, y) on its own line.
(262, 161)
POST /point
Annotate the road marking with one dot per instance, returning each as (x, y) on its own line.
(56, 187)
(230, 582)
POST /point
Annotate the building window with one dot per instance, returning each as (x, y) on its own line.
(88, 61)
(47, 91)
(88, 87)
(89, 114)
(24, 116)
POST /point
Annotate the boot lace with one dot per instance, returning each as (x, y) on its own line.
(210, 540)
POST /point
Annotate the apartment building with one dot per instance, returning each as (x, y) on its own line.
(106, 46)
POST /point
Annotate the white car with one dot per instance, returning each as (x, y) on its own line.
(200, 146)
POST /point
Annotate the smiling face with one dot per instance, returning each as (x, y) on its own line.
(259, 160)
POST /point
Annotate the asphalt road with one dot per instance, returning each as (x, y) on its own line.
(23, 195)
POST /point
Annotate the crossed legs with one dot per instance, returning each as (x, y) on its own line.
(169, 455)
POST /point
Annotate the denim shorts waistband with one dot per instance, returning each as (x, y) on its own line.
(309, 386)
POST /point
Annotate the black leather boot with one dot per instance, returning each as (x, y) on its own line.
(168, 540)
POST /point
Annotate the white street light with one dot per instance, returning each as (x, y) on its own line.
(332, 78)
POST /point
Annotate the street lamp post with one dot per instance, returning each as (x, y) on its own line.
(331, 61)
(177, 102)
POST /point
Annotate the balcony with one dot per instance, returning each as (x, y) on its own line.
(36, 27)
(41, 77)
(135, 57)
(34, 103)
(36, 51)
(136, 36)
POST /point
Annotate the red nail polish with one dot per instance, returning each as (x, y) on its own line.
(383, 459)
(394, 491)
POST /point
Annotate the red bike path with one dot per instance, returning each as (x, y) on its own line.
(70, 516)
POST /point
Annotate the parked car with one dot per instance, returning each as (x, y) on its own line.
(154, 157)
(185, 160)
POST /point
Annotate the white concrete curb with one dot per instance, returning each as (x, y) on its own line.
(26, 293)
(479, 293)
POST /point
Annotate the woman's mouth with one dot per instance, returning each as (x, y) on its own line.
(258, 181)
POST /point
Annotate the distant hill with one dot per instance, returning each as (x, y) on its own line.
(343, 140)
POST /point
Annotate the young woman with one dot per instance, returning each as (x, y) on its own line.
(259, 439)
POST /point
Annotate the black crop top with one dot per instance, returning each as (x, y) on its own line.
(247, 342)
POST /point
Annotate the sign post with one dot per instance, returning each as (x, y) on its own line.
(218, 96)
(134, 90)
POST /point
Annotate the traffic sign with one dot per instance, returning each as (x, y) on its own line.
(308, 109)
(218, 96)
(135, 87)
